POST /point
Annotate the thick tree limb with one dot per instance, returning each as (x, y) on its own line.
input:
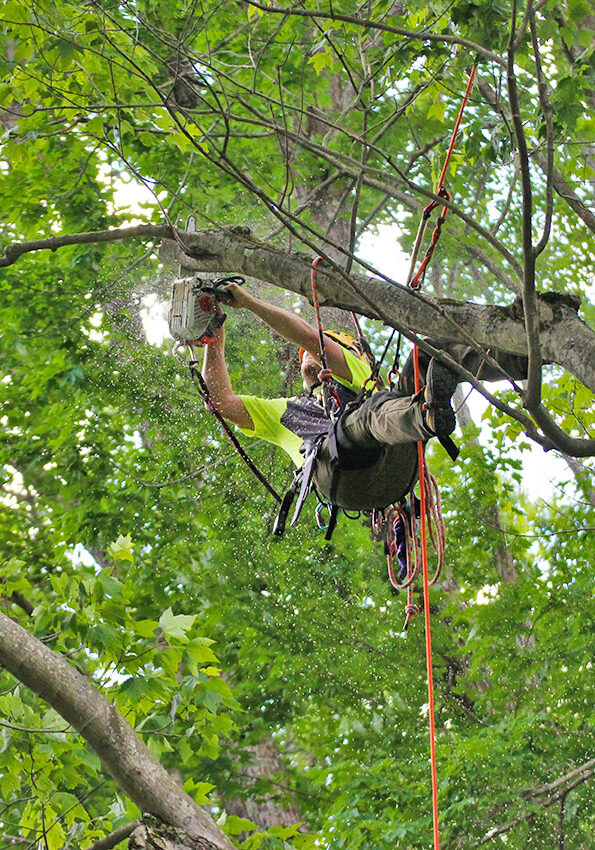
(566, 338)
(118, 746)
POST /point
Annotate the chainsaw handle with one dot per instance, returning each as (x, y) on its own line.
(220, 288)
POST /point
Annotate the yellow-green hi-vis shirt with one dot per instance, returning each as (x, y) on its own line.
(287, 422)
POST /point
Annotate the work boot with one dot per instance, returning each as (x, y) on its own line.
(441, 384)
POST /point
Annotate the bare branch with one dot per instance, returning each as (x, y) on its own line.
(533, 391)
(560, 184)
(548, 113)
(366, 23)
(52, 243)
(499, 327)
(115, 837)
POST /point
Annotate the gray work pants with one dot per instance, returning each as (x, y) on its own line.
(392, 422)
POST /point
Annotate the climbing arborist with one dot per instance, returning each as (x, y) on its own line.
(367, 458)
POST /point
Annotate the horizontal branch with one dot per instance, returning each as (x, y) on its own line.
(566, 339)
(367, 24)
(235, 250)
(52, 243)
(115, 837)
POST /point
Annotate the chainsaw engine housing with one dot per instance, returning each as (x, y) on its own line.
(192, 310)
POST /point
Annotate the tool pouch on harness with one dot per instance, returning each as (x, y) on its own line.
(301, 485)
(345, 456)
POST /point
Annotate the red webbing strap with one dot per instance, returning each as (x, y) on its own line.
(414, 280)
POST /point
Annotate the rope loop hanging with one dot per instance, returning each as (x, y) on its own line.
(325, 375)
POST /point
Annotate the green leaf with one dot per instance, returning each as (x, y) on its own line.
(196, 654)
(233, 825)
(176, 625)
(437, 110)
(321, 61)
(121, 550)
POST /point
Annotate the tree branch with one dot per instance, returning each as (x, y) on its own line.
(559, 183)
(366, 23)
(551, 794)
(52, 243)
(533, 391)
(115, 837)
(566, 337)
(118, 746)
(548, 112)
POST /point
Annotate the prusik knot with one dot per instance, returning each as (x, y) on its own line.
(325, 376)
(412, 609)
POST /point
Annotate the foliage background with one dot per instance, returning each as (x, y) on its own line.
(125, 521)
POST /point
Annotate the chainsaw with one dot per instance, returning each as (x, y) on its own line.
(193, 313)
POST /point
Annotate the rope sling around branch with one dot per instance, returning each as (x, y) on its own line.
(414, 282)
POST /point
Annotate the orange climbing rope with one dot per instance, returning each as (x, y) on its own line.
(414, 280)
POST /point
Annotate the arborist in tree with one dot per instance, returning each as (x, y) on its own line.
(364, 456)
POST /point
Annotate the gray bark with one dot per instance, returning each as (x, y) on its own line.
(152, 835)
(566, 340)
(116, 743)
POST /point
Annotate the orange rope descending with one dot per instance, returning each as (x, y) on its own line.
(414, 280)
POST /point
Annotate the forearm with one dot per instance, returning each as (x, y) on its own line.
(223, 397)
(214, 369)
(291, 327)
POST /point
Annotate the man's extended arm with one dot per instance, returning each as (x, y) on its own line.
(294, 329)
(216, 376)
